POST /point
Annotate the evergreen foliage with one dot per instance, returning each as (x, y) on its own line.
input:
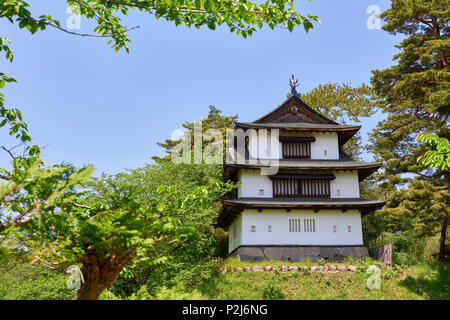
(414, 93)
(415, 96)
(344, 104)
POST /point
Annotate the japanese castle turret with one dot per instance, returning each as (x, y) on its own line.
(299, 196)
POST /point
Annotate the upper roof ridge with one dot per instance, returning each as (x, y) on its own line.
(294, 110)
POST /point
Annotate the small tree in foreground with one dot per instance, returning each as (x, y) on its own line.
(29, 188)
(103, 237)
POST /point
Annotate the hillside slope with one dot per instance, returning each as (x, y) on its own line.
(418, 282)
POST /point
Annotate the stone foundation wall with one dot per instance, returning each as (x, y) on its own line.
(298, 253)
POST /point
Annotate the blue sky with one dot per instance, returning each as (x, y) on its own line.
(90, 105)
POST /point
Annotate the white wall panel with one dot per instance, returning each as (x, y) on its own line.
(325, 147)
(345, 185)
(278, 220)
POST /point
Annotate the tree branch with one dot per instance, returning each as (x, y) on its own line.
(8, 151)
(77, 33)
(81, 206)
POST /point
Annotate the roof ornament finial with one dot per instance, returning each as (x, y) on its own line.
(294, 84)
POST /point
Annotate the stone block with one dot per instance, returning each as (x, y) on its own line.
(273, 253)
(312, 252)
(292, 254)
(251, 251)
(300, 254)
(347, 251)
(328, 253)
(293, 268)
(251, 258)
(250, 254)
(361, 252)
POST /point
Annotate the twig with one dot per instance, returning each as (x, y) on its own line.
(77, 33)
(8, 151)
(81, 206)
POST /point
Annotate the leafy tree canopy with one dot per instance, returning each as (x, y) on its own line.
(439, 158)
(241, 16)
(104, 230)
(214, 120)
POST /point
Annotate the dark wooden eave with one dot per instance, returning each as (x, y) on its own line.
(232, 208)
(303, 176)
(296, 139)
(364, 169)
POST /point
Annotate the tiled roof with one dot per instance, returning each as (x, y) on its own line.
(298, 125)
(300, 202)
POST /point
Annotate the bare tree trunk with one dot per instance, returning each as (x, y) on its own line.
(99, 275)
(443, 235)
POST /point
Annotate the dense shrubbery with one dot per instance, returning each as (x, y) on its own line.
(272, 291)
(25, 281)
(176, 292)
(408, 247)
(187, 260)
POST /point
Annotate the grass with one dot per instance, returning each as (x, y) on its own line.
(420, 282)
(414, 283)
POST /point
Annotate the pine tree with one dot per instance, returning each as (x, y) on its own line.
(415, 93)
(214, 120)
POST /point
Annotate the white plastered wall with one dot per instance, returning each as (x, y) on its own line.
(235, 234)
(326, 146)
(346, 185)
(278, 220)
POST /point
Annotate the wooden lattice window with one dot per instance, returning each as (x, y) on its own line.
(294, 188)
(286, 188)
(296, 149)
(315, 188)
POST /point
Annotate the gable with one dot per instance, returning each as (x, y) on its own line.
(294, 110)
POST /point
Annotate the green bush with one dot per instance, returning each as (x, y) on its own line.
(407, 248)
(108, 295)
(363, 263)
(178, 292)
(271, 291)
(188, 259)
(25, 281)
(391, 273)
